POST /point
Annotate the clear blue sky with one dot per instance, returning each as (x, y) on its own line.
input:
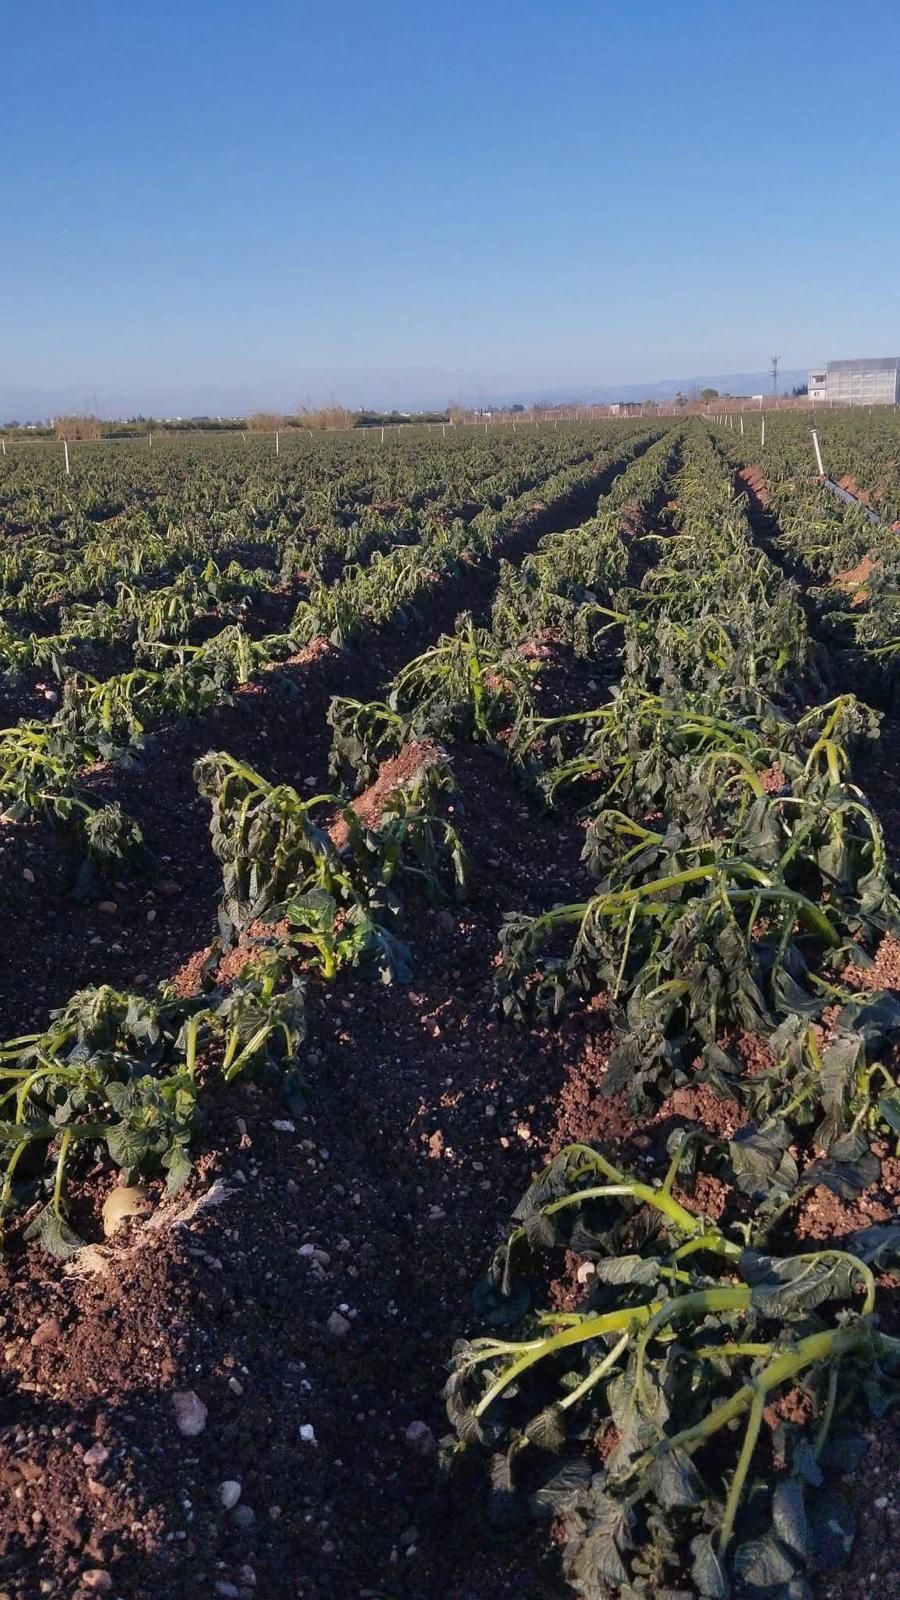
(227, 204)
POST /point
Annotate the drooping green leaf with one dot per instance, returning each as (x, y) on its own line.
(53, 1233)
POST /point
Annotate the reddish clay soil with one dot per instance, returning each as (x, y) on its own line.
(885, 970)
(855, 580)
(773, 778)
(403, 771)
(852, 487)
(752, 479)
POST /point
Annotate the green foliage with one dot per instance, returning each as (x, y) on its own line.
(112, 1076)
(647, 1420)
(466, 687)
(334, 878)
(739, 866)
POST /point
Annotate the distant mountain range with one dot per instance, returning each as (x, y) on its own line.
(34, 404)
(602, 394)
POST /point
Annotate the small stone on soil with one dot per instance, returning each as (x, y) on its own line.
(47, 1333)
(96, 1580)
(190, 1413)
(420, 1439)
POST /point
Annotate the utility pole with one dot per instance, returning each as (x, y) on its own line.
(775, 375)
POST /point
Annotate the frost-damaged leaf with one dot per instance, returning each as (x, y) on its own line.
(783, 1286)
(540, 1231)
(504, 1509)
(707, 1570)
(460, 1412)
(877, 1018)
(563, 1489)
(639, 1413)
(789, 1516)
(764, 1564)
(497, 1309)
(806, 1463)
(879, 1245)
(627, 1269)
(833, 1528)
(382, 950)
(53, 1233)
(847, 1170)
(845, 1449)
(675, 1480)
(762, 1164)
(547, 1430)
(598, 1558)
(839, 1062)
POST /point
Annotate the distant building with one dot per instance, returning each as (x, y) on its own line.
(869, 382)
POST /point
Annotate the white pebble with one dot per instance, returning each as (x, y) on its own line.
(190, 1412)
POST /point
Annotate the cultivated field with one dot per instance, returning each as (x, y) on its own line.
(450, 1112)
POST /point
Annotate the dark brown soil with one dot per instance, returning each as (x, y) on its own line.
(426, 1120)
(324, 1280)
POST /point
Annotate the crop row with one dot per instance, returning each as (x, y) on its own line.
(143, 517)
(849, 568)
(860, 447)
(337, 891)
(741, 888)
(99, 719)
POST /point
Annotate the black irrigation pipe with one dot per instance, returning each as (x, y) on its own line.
(851, 500)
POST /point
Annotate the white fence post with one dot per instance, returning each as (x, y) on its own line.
(762, 430)
(277, 451)
(66, 451)
(815, 440)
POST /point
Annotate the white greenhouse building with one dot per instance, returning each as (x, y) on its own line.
(872, 382)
